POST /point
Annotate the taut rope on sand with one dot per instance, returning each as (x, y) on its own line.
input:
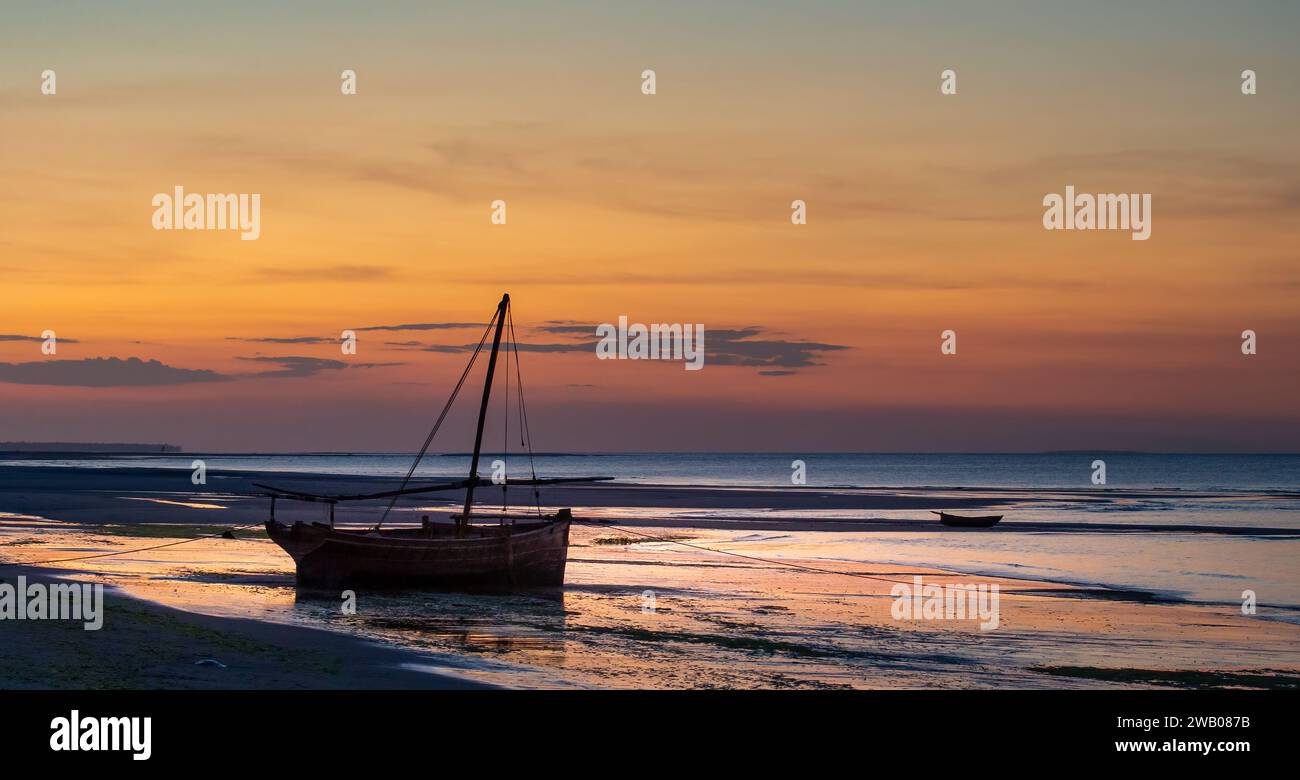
(772, 561)
(136, 550)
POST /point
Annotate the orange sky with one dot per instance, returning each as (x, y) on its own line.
(924, 215)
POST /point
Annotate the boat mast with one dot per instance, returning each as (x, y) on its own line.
(482, 412)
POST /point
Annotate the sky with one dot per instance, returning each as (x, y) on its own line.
(924, 214)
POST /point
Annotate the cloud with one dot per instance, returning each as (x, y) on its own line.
(559, 326)
(655, 173)
(12, 337)
(741, 348)
(333, 273)
(863, 275)
(301, 366)
(456, 349)
(1189, 182)
(104, 372)
(738, 347)
(415, 326)
(134, 372)
(427, 326)
(287, 340)
(295, 366)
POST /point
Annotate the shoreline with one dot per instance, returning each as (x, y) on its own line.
(125, 495)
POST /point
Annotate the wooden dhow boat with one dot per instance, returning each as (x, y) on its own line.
(455, 555)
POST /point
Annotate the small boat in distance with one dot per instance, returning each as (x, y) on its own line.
(958, 521)
(505, 554)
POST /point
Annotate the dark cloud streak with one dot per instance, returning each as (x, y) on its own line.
(134, 372)
(14, 337)
(104, 372)
(724, 347)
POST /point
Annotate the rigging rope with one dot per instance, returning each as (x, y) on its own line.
(525, 433)
(772, 561)
(429, 439)
(128, 552)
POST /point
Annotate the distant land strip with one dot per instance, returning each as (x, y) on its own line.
(77, 446)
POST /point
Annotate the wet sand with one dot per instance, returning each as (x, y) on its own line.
(144, 645)
(649, 614)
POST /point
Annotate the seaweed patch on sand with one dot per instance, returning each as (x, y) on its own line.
(1263, 679)
(628, 540)
(1104, 594)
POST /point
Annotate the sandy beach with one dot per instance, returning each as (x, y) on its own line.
(147, 645)
(762, 588)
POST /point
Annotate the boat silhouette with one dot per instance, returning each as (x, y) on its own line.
(517, 550)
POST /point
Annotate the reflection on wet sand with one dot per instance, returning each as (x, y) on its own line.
(528, 624)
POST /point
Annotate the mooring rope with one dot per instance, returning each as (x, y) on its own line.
(138, 549)
(771, 561)
(526, 434)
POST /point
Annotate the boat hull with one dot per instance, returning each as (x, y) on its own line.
(957, 521)
(497, 557)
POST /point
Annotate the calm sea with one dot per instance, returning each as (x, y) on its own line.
(1045, 470)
